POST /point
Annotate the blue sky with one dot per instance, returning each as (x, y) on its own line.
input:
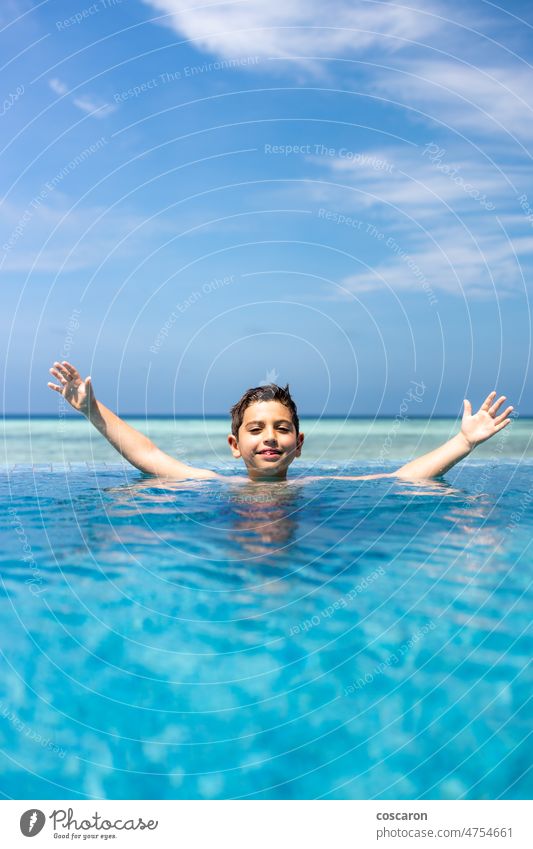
(201, 197)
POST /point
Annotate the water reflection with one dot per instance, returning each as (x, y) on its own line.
(259, 518)
(263, 517)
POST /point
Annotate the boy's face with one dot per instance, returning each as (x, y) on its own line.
(267, 440)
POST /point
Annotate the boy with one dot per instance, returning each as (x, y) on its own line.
(266, 434)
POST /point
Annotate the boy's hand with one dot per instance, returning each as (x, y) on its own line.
(485, 423)
(78, 392)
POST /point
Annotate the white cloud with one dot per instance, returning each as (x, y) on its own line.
(454, 265)
(473, 94)
(57, 86)
(409, 179)
(421, 180)
(97, 110)
(82, 237)
(296, 28)
(436, 233)
(48, 235)
(85, 104)
(480, 100)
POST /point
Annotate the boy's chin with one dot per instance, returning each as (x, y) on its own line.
(266, 461)
(270, 467)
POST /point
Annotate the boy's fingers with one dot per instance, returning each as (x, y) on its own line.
(497, 404)
(503, 415)
(467, 407)
(68, 371)
(61, 370)
(55, 386)
(488, 400)
(58, 375)
(73, 372)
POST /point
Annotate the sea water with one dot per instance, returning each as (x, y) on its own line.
(214, 640)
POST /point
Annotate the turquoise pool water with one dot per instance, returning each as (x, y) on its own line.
(304, 640)
(203, 441)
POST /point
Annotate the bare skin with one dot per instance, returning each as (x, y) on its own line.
(267, 441)
(134, 446)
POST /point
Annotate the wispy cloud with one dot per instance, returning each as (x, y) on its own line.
(87, 104)
(480, 100)
(297, 28)
(454, 264)
(432, 222)
(97, 110)
(426, 180)
(468, 91)
(57, 86)
(51, 237)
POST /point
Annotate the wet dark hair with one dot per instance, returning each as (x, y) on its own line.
(268, 392)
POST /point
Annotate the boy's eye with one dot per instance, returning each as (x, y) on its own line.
(258, 429)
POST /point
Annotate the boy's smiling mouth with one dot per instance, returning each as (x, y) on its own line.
(270, 452)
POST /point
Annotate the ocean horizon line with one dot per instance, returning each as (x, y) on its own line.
(301, 416)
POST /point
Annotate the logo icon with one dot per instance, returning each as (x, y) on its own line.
(32, 822)
(271, 377)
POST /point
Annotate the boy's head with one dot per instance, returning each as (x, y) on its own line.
(265, 431)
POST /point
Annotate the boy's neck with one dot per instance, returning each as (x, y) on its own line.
(259, 478)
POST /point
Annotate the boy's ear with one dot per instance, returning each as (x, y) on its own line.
(234, 445)
(299, 444)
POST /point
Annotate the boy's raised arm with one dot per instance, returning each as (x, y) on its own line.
(134, 446)
(474, 430)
